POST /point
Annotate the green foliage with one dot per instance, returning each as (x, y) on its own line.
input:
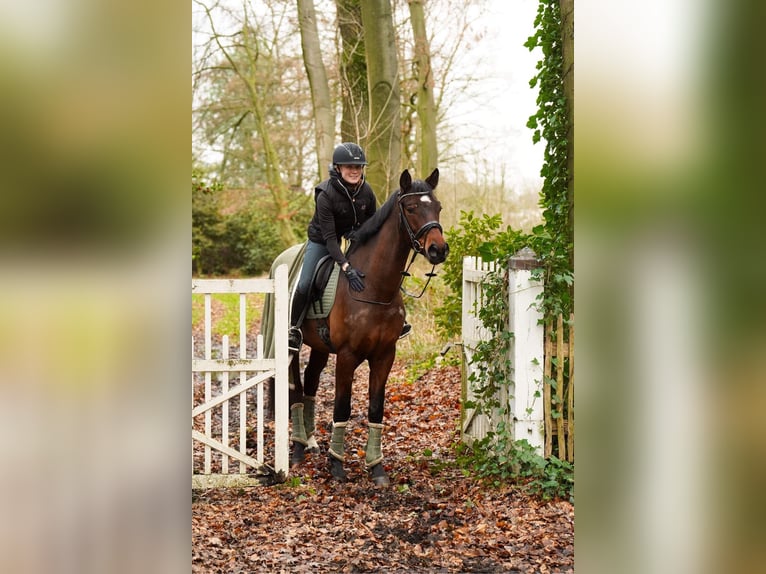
(499, 461)
(207, 222)
(464, 240)
(244, 241)
(254, 238)
(497, 457)
(550, 123)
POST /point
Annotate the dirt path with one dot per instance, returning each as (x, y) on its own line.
(432, 518)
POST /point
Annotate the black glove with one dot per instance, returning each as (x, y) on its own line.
(354, 278)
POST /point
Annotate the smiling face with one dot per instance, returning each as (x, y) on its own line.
(351, 173)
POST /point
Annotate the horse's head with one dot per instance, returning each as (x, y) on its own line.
(420, 210)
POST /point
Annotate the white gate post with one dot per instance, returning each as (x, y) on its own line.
(282, 360)
(527, 349)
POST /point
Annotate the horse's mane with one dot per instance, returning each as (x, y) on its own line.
(371, 227)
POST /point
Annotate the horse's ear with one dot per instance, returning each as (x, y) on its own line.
(433, 179)
(405, 181)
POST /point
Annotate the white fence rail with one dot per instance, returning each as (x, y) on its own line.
(251, 374)
(524, 396)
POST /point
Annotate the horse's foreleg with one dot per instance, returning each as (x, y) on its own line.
(309, 423)
(344, 376)
(379, 370)
(298, 436)
(317, 362)
(337, 450)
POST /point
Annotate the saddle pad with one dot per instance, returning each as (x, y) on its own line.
(320, 308)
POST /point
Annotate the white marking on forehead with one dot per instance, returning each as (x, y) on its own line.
(425, 199)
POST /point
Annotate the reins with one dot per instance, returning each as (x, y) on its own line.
(417, 247)
(406, 273)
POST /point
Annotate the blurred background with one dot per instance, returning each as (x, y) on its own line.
(96, 228)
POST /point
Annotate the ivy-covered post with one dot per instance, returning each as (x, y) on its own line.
(526, 348)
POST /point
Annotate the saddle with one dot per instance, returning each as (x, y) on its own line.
(324, 285)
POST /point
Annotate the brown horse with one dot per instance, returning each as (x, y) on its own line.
(366, 325)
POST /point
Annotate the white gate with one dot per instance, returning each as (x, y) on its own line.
(524, 396)
(251, 372)
(474, 425)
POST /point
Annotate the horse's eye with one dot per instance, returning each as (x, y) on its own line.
(412, 208)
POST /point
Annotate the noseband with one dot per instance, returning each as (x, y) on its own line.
(417, 246)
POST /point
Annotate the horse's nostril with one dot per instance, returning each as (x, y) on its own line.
(437, 253)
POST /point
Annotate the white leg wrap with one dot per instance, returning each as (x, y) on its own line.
(299, 432)
(338, 439)
(374, 450)
(309, 404)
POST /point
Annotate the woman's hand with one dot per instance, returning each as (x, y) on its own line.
(354, 278)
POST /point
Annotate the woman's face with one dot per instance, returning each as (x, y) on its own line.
(351, 173)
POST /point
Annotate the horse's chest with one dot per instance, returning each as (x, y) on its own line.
(374, 314)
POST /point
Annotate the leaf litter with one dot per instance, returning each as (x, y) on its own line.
(433, 517)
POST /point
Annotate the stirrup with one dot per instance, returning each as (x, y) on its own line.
(294, 339)
(406, 330)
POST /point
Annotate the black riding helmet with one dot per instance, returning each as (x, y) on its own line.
(348, 153)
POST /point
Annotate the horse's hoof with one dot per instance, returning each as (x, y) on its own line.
(379, 476)
(336, 470)
(298, 455)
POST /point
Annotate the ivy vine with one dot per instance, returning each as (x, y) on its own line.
(550, 123)
(498, 456)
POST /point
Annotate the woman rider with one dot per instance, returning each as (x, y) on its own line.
(343, 202)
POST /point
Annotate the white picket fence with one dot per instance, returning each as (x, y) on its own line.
(251, 372)
(524, 395)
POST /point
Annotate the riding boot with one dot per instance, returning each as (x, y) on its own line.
(406, 330)
(297, 312)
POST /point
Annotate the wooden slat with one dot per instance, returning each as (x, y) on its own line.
(232, 365)
(243, 379)
(547, 395)
(282, 357)
(208, 394)
(243, 421)
(225, 406)
(570, 393)
(560, 386)
(218, 445)
(208, 481)
(231, 393)
(232, 286)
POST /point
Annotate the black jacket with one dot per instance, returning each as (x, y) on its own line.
(338, 211)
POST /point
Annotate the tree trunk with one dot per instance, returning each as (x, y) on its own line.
(353, 72)
(384, 138)
(324, 116)
(427, 151)
(567, 44)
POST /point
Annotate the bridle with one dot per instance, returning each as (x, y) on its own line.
(417, 246)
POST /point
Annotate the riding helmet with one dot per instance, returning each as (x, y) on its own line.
(348, 153)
